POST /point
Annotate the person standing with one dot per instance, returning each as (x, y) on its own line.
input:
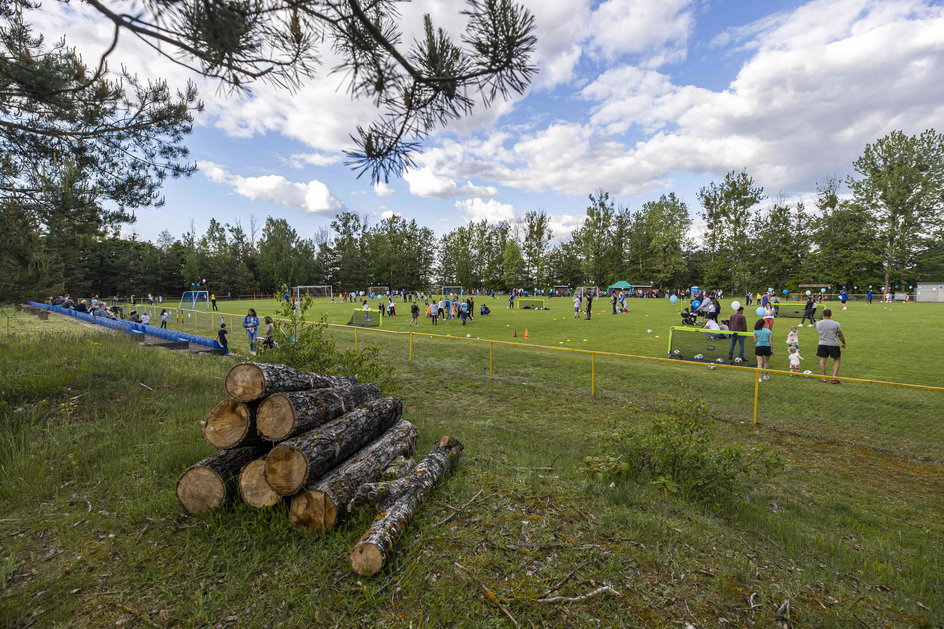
(463, 311)
(251, 325)
(434, 311)
(223, 337)
(414, 313)
(830, 341)
(577, 305)
(809, 309)
(868, 297)
(589, 305)
(769, 316)
(762, 349)
(738, 325)
(164, 318)
(844, 297)
(213, 302)
(613, 300)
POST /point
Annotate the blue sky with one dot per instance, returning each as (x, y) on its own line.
(635, 97)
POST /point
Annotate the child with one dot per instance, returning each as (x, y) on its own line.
(414, 314)
(223, 338)
(793, 338)
(795, 359)
(146, 318)
(164, 319)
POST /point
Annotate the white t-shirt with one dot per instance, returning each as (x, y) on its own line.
(711, 324)
(795, 359)
(577, 303)
(146, 319)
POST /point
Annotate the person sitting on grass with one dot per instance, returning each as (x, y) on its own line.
(830, 337)
(762, 349)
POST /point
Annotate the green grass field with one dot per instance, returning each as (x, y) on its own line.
(895, 342)
(94, 432)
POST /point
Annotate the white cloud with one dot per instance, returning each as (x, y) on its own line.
(388, 214)
(299, 160)
(491, 210)
(424, 182)
(313, 197)
(655, 27)
(381, 189)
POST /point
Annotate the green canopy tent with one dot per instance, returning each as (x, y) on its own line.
(621, 285)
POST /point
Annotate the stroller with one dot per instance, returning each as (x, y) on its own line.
(689, 317)
(484, 310)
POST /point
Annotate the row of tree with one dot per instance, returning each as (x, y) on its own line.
(889, 231)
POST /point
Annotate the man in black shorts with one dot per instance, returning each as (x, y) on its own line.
(830, 337)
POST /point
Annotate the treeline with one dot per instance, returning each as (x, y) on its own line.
(888, 231)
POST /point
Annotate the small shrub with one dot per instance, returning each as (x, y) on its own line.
(679, 453)
(306, 345)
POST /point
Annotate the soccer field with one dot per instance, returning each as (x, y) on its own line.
(895, 342)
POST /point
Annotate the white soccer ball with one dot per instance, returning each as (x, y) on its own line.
(699, 356)
(648, 331)
(807, 371)
(711, 367)
(739, 360)
(720, 360)
(468, 336)
(676, 353)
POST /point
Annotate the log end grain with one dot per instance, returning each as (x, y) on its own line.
(275, 418)
(227, 424)
(200, 489)
(312, 509)
(286, 469)
(253, 487)
(246, 382)
(366, 559)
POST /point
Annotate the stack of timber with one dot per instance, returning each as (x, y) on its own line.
(321, 443)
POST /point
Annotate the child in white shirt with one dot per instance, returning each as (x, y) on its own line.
(146, 319)
(793, 338)
(795, 359)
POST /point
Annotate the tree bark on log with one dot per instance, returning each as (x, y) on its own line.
(248, 382)
(232, 424)
(286, 415)
(212, 482)
(396, 502)
(298, 462)
(253, 487)
(323, 505)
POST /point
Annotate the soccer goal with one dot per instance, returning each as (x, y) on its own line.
(314, 292)
(195, 300)
(452, 290)
(366, 318)
(789, 311)
(710, 346)
(588, 290)
(531, 303)
(378, 290)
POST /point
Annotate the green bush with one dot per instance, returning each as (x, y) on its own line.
(306, 345)
(679, 453)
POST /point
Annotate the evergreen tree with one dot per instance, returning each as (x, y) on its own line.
(727, 214)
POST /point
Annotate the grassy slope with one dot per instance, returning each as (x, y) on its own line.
(91, 528)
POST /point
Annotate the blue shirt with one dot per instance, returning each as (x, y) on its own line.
(762, 337)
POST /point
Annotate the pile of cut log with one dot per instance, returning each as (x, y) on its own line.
(320, 442)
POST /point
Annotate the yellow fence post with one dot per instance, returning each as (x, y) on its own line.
(355, 339)
(491, 347)
(411, 348)
(756, 395)
(593, 374)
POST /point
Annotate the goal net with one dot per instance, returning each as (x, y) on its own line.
(366, 318)
(313, 291)
(710, 346)
(789, 311)
(530, 303)
(593, 291)
(195, 300)
(452, 290)
(378, 290)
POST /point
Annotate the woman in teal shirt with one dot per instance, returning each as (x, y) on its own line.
(762, 348)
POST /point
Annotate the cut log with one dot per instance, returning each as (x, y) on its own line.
(248, 382)
(396, 502)
(212, 482)
(397, 468)
(232, 424)
(285, 415)
(253, 487)
(323, 505)
(298, 462)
